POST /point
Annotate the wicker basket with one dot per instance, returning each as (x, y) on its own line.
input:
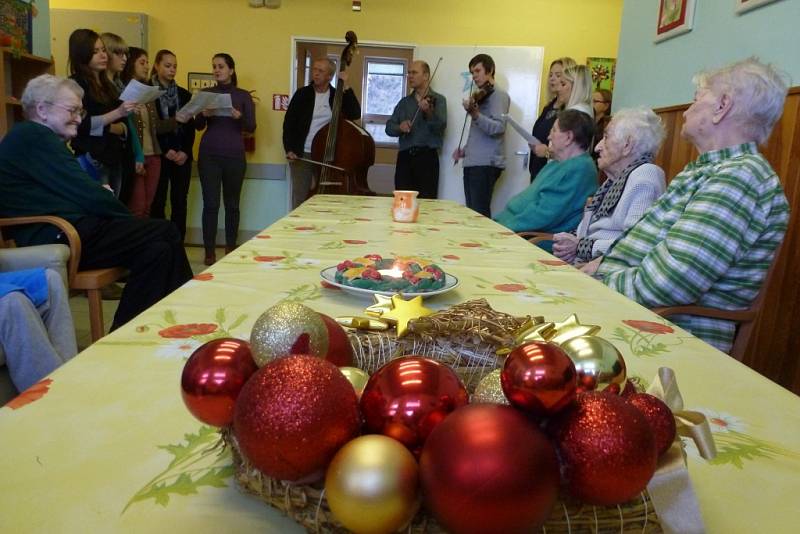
(465, 337)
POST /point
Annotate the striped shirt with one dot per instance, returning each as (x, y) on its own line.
(708, 240)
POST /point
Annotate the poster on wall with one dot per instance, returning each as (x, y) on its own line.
(603, 70)
(16, 25)
(675, 17)
(743, 6)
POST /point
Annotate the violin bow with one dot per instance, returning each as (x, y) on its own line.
(464, 127)
(427, 89)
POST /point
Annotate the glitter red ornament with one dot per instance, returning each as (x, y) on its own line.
(659, 416)
(539, 377)
(606, 449)
(293, 415)
(487, 467)
(212, 378)
(406, 398)
(340, 352)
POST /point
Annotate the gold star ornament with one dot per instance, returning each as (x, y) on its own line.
(405, 310)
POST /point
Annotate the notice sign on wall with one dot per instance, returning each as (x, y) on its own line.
(280, 102)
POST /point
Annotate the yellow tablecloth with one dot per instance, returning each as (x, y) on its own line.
(105, 444)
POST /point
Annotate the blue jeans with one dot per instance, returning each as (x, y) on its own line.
(479, 186)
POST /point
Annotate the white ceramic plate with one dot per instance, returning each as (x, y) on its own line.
(329, 275)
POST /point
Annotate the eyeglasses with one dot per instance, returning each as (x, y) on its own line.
(599, 102)
(75, 112)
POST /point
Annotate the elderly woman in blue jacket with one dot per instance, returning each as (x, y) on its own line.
(554, 201)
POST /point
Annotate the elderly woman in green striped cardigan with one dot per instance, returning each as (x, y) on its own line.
(711, 237)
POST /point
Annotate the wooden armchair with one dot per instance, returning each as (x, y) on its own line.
(90, 281)
(745, 319)
(535, 237)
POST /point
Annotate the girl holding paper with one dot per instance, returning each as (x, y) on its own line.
(146, 126)
(221, 160)
(99, 143)
(176, 141)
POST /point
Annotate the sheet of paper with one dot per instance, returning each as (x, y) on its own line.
(140, 93)
(222, 106)
(521, 130)
(200, 101)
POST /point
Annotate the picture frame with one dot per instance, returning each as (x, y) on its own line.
(743, 6)
(603, 70)
(675, 17)
(197, 81)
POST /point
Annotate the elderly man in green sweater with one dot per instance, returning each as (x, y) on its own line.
(554, 201)
(40, 176)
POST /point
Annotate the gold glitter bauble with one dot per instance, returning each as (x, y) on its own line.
(285, 329)
(490, 390)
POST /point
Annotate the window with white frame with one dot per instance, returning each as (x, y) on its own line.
(384, 86)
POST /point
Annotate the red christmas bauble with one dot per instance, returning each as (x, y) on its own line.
(606, 449)
(212, 378)
(539, 377)
(340, 352)
(406, 398)
(488, 467)
(293, 415)
(660, 417)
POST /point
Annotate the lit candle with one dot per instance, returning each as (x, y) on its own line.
(394, 272)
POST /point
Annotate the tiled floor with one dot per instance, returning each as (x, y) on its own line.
(80, 306)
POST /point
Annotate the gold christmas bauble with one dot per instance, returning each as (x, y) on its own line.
(357, 377)
(489, 390)
(372, 485)
(597, 361)
(288, 328)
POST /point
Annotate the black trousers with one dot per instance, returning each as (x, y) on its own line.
(151, 249)
(227, 173)
(479, 187)
(175, 179)
(418, 170)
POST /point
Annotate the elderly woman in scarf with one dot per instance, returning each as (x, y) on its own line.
(626, 152)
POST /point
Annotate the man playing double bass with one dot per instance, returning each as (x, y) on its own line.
(419, 120)
(309, 111)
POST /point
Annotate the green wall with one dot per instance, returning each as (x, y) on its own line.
(660, 74)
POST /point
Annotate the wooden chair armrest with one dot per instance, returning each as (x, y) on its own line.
(535, 237)
(73, 238)
(714, 313)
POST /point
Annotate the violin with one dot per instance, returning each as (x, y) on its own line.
(477, 98)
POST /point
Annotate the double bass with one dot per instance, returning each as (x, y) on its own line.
(344, 150)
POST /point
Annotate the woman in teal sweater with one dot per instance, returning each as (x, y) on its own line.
(554, 201)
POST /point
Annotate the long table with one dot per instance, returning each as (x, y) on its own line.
(105, 443)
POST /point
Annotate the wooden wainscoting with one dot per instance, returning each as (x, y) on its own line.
(774, 348)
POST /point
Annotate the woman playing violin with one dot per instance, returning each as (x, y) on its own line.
(484, 153)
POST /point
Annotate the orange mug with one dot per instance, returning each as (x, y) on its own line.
(405, 207)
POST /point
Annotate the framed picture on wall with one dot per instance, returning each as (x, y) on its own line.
(674, 18)
(603, 70)
(200, 80)
(746, 5)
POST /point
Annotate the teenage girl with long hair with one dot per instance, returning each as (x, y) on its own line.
(176, 142)
(99, 143)
(221, 160)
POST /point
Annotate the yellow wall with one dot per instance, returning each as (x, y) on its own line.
(260, 39)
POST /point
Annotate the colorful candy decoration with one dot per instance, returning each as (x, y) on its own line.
(659, 416)
(212, 378)
(606, 449)
(406, 398)
(598, 363)
(293, 415)
(288, 328)
(372, 485)
(539, 377)
(487, 467)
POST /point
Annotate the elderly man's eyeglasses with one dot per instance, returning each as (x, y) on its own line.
(75, 112)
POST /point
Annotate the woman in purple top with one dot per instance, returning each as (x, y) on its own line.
(221, 162)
